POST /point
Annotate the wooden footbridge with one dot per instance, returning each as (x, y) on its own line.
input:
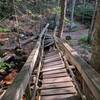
(54, 74)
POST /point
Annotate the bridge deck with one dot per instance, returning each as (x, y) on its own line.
(56, 84)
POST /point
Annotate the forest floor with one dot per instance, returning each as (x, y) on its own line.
(83, 49)
(11, 57)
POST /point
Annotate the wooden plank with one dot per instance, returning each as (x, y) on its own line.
(53, 67)
(55, 71)
(91, 77)
(57, 85)
(52, 60)
(69, 90)
(61, 97)
(53, 63)
(48, 57)
(52, 53)
(56, 80)
(55, 75)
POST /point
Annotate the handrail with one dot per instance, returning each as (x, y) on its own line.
(17, 89)
(89, 75)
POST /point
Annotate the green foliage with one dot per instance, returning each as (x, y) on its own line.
(4, 65)
(5, 8)
(66, 21)
(83, 39)
(86, 10)
(84, 43)
(4, 29)
(56, 10)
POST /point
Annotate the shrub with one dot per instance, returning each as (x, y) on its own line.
(83, 39)
(4, 65)
(86, 10)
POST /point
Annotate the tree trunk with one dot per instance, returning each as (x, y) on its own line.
(63, 4)
(72, 12)
(90, 33)
(96, 43)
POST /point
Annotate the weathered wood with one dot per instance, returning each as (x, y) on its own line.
(58, 85)
(65, 62)
(55, 75)
(56, 80)
(17, 89)
(28, 92)
(48, 57)
(61, 97)
(55, 71)
(38, 72)
(91, 77)
(68, 90)
(53, 68)
(52, 60)
(53, 63)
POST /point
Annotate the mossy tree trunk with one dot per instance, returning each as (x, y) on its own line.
(96, 42)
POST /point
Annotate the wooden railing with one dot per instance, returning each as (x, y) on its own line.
(90, 79)
(21, 83)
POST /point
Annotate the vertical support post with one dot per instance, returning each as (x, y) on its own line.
(28, 92)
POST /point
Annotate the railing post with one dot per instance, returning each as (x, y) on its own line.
(28, 92)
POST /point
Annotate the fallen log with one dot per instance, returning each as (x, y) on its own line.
(13, 47)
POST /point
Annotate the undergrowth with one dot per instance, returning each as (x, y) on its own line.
(3, 65)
